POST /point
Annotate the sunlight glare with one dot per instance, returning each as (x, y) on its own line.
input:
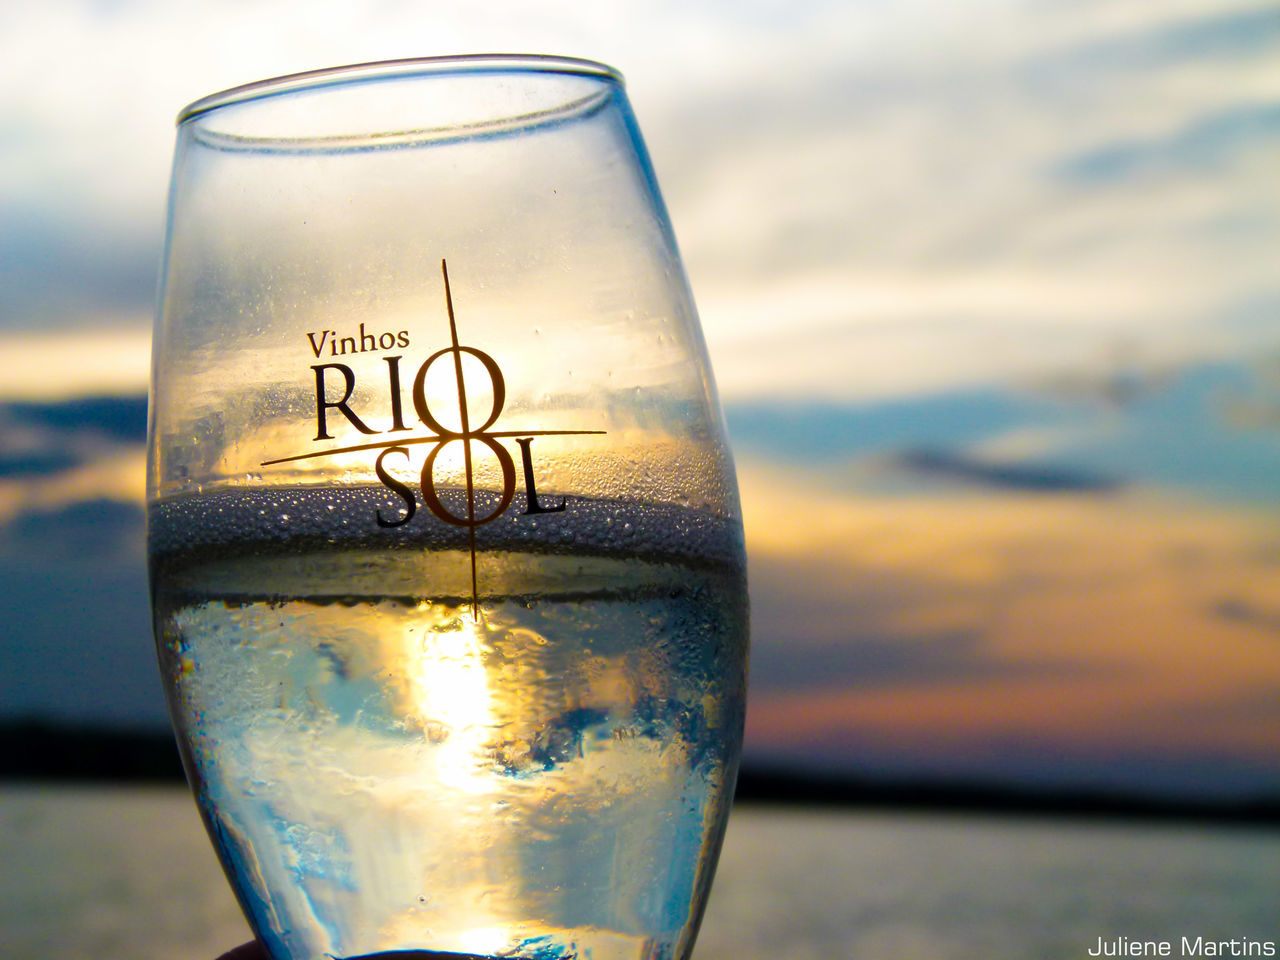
(450, 694)
(484, 941)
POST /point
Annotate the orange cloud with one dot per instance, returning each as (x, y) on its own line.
(1114, 622)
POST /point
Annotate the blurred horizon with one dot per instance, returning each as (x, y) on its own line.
(990, 294)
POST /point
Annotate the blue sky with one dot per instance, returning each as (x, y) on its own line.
(941, 251)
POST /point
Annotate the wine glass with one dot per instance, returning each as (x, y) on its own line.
(446, 554)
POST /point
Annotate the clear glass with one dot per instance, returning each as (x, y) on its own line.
(446, 553)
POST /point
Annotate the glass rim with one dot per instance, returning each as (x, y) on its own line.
(455, 65)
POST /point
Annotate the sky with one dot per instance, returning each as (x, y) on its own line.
(988, 286)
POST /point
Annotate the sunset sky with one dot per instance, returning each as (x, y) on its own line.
(990, 290)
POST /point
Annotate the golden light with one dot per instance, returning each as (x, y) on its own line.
(58, 366)
(449, 694)
(485, 941)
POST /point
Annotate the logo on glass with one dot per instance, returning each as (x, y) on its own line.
(440, 437)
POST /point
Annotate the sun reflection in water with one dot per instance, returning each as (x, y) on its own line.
(484, 941)
(450, 696)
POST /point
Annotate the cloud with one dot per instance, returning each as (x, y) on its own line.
(71, 480)
(927, 197)
(1205, 430)
(1205, 145)
(925, 226)
(930, 623)
(51, 439)
(118, 418)
(990, 630)
(1017, 477)
(111, 359)
(22, 463)
(819, 434)
(66, 269)
(1216, 34)
(849, 165)
(814, 632)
